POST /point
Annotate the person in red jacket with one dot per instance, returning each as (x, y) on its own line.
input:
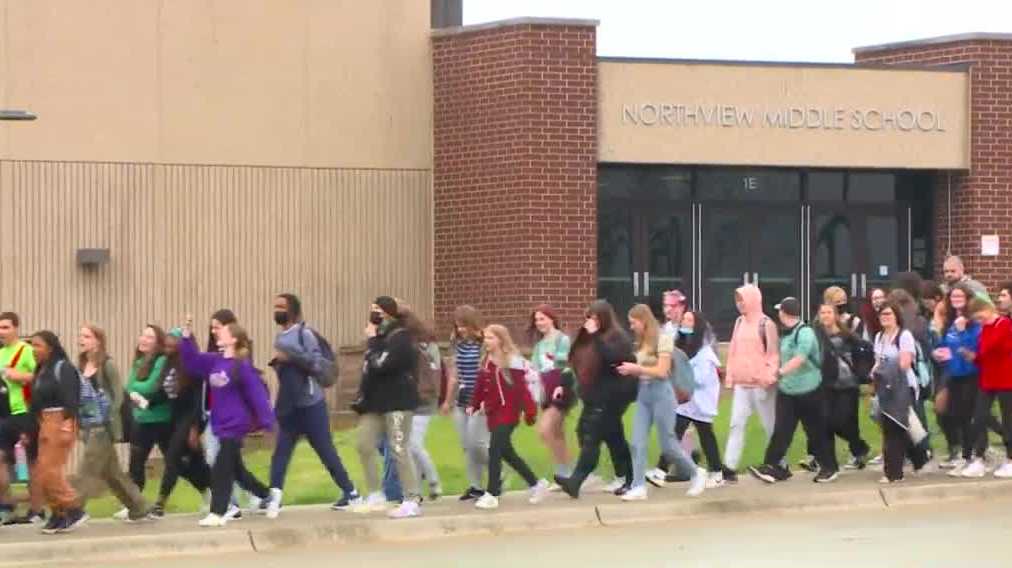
(994, 360)
(501, 393)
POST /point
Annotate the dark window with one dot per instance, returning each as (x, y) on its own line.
(748, 185)
(825, 186)
(871, 188)
(644, 183)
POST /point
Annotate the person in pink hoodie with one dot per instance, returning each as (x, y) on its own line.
(752, 362)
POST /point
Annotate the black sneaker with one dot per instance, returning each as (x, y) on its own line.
(826, 476)
(54, 525)
(623, 490)
(346, 502)
(567, 486)
(730, 475)
(29, 518)
(158, 511)
(769, 473)
(809, 464)
(74, 519)
(471, 493)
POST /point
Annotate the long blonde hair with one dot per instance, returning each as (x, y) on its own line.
(646, 343)
(508, 347)
(243, 345)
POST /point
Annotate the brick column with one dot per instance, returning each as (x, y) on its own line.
(982, 197)
(515, 168)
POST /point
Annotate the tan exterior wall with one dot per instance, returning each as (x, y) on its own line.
(643, 118)
(322, 83)
(198, 238)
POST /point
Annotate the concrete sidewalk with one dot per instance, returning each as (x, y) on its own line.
(300, 526)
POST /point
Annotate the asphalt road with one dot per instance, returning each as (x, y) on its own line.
(968, 534)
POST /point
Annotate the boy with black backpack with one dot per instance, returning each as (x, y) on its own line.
(305, 364)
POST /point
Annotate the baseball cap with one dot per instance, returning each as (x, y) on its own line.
(790, 306)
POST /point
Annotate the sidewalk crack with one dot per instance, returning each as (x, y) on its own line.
(882, 495)
(252, 542)
(597, 513)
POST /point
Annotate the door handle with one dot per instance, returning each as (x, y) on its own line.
(854, 292)
(636, 284)
(744, 279)
(755, 278)
(864, 284)
(646, 284)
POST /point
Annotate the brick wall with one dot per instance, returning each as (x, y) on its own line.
(514, 173)
(982, 197)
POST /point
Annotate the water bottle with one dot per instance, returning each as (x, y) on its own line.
(20, 462)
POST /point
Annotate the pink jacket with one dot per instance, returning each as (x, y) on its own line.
(749, 363)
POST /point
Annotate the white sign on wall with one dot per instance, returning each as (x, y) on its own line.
(989, 245)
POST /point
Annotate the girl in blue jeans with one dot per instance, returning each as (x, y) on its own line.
(655, 404)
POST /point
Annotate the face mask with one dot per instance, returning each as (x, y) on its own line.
(281, 318)
(375, 318)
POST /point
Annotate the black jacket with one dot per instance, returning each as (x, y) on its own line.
(609, 387)
(52, 391)
(388, 382)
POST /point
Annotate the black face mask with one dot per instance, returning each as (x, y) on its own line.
(375, 318)
(281, 318)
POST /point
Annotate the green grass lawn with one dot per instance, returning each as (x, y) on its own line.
(308, 482)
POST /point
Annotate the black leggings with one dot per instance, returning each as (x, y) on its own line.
(957, 420)
(143, 439)
(982, 416)
(602, 423)
(707, 440)
(896, 445)
(228, 469)
(181, 459)
(501, 449)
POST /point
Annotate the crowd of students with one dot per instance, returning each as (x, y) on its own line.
(949, 344)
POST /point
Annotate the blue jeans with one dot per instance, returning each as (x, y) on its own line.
(655, 404)
(313, 422)
(391, 483)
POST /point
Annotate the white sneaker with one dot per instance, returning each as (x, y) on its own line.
(254, 504)
(931, 467)
(374, 503)
(233, 513)
(614, 486)
(975, 470)
(698, 483)
(954, 463)
(487, 502)
(715, 479)
(1004, 472)
(955, 471)
(656, 477)
(539, 492)
(592, 484)
(205, 507)
(638, 493)
(877, 460)
(409, 508)
(274, 503)
(122, 515)
(212, 520)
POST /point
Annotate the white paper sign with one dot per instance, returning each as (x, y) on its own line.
(989, 245)
(883, 270)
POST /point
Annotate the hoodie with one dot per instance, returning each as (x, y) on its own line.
(241, 402)
(750, 363)
(994, 356)
(504, 400)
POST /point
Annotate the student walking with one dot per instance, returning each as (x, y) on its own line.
(241, 406)
(219, 319)
(895, 391)
(994, 361)
(800, 398)
(551, 359)
(473, 431)
(17, 369)
(387, 404)
(55, 398)
(701, 408)
(842, 385)
(654, 403)
(955, 351)
(430, 371)
(599, 348)
(501, 394)
(100, 403)
(752, 362)
(301, 408)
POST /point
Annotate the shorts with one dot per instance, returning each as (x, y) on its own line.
(11, 429)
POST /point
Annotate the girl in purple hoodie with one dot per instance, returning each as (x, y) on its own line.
(241, 406)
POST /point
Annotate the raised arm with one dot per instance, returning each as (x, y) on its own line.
(195, 362)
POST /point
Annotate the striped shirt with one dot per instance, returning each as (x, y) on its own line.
(468, 355)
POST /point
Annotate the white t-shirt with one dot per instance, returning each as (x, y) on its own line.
(887, 349)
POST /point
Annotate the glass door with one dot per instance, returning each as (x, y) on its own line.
(885, 250)
(775, 253)
(726, 240)
(618, 279)
(835, 246)
(667, 255)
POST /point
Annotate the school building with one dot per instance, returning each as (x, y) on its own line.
(192, 155)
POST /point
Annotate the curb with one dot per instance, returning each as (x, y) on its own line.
(126, 547)
(927, 494)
